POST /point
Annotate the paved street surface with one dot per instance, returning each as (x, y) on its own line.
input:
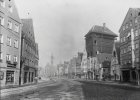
(63, 89)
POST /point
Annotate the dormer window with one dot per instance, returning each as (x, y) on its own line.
(2, 3)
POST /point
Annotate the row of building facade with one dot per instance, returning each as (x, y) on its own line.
(105, 58)
(18, 49)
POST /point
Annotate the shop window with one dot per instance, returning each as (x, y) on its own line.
(25, 77)
(32, 77)
(10, 77)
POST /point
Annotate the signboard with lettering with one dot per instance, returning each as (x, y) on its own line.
(1, 75)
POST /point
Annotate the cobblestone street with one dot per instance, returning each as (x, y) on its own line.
(64, 89)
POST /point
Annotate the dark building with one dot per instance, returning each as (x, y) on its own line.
(99, 44)
(29, 53)
(99, 40)
(130, 46)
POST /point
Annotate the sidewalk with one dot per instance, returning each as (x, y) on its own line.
(22, 89)
(112, 83)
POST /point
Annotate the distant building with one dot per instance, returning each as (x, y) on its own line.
(84, 67)
(78, 64)
(10, 34)
(99, 43)
(130, 46)
(72, 68)
(29, 53)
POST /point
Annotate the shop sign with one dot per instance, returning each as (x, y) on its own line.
(1, 75)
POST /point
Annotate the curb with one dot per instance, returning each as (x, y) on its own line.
(18, 90)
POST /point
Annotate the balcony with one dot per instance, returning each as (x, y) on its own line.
(15, 63)
(8, 62)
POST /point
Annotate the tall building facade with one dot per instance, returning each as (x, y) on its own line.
(99, 40)
(99, 45)
(10, 34)
(130, 46)
(29, 53)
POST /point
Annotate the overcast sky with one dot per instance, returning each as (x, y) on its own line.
(60, 25)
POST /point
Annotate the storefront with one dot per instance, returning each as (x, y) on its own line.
(28, 75)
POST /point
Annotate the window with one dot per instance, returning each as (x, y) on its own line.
(1, 56)
(95, 42)
(16, 28)
(10, 77)
(10, 8)
(15, 59)
(9, 24)
(8, 57)
(1, 20)
(126, 26)
(131, 23)
(123, 28)
(124, 50)
(139, 14)
(1, 38)
(137, 60)
(136, 46)
(123, 39)
(129, 48)
(16, 44)
(9, 43)
(2, 3)
(136, 20)
(136, 33)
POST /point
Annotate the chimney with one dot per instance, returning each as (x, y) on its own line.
(104, 25)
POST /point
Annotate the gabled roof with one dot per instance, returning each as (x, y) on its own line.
(131, 12)
(102, 30)
(27, 28)
(14, 14)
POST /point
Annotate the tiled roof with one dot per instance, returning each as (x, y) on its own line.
(101, 30)
(28, 29)
(131, 12)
